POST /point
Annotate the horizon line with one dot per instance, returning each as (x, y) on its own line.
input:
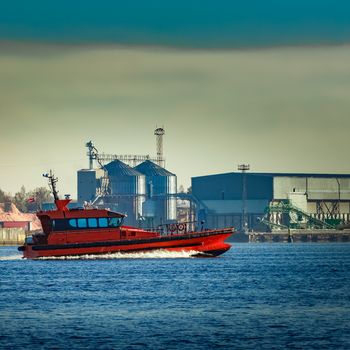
(162, 47)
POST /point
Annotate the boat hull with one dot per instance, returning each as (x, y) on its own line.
(206, 244)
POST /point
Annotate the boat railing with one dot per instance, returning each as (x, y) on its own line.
(176, 228)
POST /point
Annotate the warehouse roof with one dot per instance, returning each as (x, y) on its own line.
(281, 174)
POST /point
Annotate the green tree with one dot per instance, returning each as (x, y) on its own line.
(20, 200)
(41, 195)
(3, 196)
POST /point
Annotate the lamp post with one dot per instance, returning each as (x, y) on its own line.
(243, 168)
(338, 196)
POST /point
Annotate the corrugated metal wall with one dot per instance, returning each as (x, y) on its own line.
(316, 188)
(160, 186)
(326, 196)
(87, 185)
(229, 186)
(12, 236)
(282, 186)
(127, 190)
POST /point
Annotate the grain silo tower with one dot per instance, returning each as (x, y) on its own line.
(161, 188)
(127, 190)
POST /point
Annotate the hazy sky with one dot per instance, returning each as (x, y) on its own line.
(64, 80)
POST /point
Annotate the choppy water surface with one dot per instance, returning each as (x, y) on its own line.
(261, 296)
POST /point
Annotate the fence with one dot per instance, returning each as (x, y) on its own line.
(12, 236)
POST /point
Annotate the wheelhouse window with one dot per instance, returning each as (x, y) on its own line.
(64, 224)
(72, 223)
(114, 222)
(102, 222)
(82, 223)
(85, 223)
(92, 222)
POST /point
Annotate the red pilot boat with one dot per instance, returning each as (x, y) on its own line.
(78, 232)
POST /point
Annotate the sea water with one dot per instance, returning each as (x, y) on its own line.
(256, 296)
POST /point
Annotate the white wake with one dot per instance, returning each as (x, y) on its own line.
(155, 254)
(11, 257)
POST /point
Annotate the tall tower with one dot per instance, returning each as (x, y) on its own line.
(159, 132)
(244, 222)
(92, 152)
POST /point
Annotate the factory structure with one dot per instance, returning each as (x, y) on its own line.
(137, 185)
(272, 201)
(141, 187)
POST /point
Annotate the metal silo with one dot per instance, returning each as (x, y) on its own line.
(127, 190)
(161, 188)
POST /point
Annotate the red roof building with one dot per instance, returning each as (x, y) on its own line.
(11, 217)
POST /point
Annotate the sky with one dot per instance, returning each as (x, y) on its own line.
(186, 23)
(264, 83)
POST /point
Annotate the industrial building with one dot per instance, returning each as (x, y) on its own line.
(146, 193)
(161, 188)
(265, 201)
(143, 189)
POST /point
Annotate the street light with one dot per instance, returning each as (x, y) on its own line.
(243, 168)
(338, 196)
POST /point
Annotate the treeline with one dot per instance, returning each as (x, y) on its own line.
(27, 201)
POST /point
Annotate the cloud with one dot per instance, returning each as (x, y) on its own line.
(274, 108)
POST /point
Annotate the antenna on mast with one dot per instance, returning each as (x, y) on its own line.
(52, 183)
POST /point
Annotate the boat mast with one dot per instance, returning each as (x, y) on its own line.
(52, 183)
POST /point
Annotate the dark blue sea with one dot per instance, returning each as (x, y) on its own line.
(256, 296)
